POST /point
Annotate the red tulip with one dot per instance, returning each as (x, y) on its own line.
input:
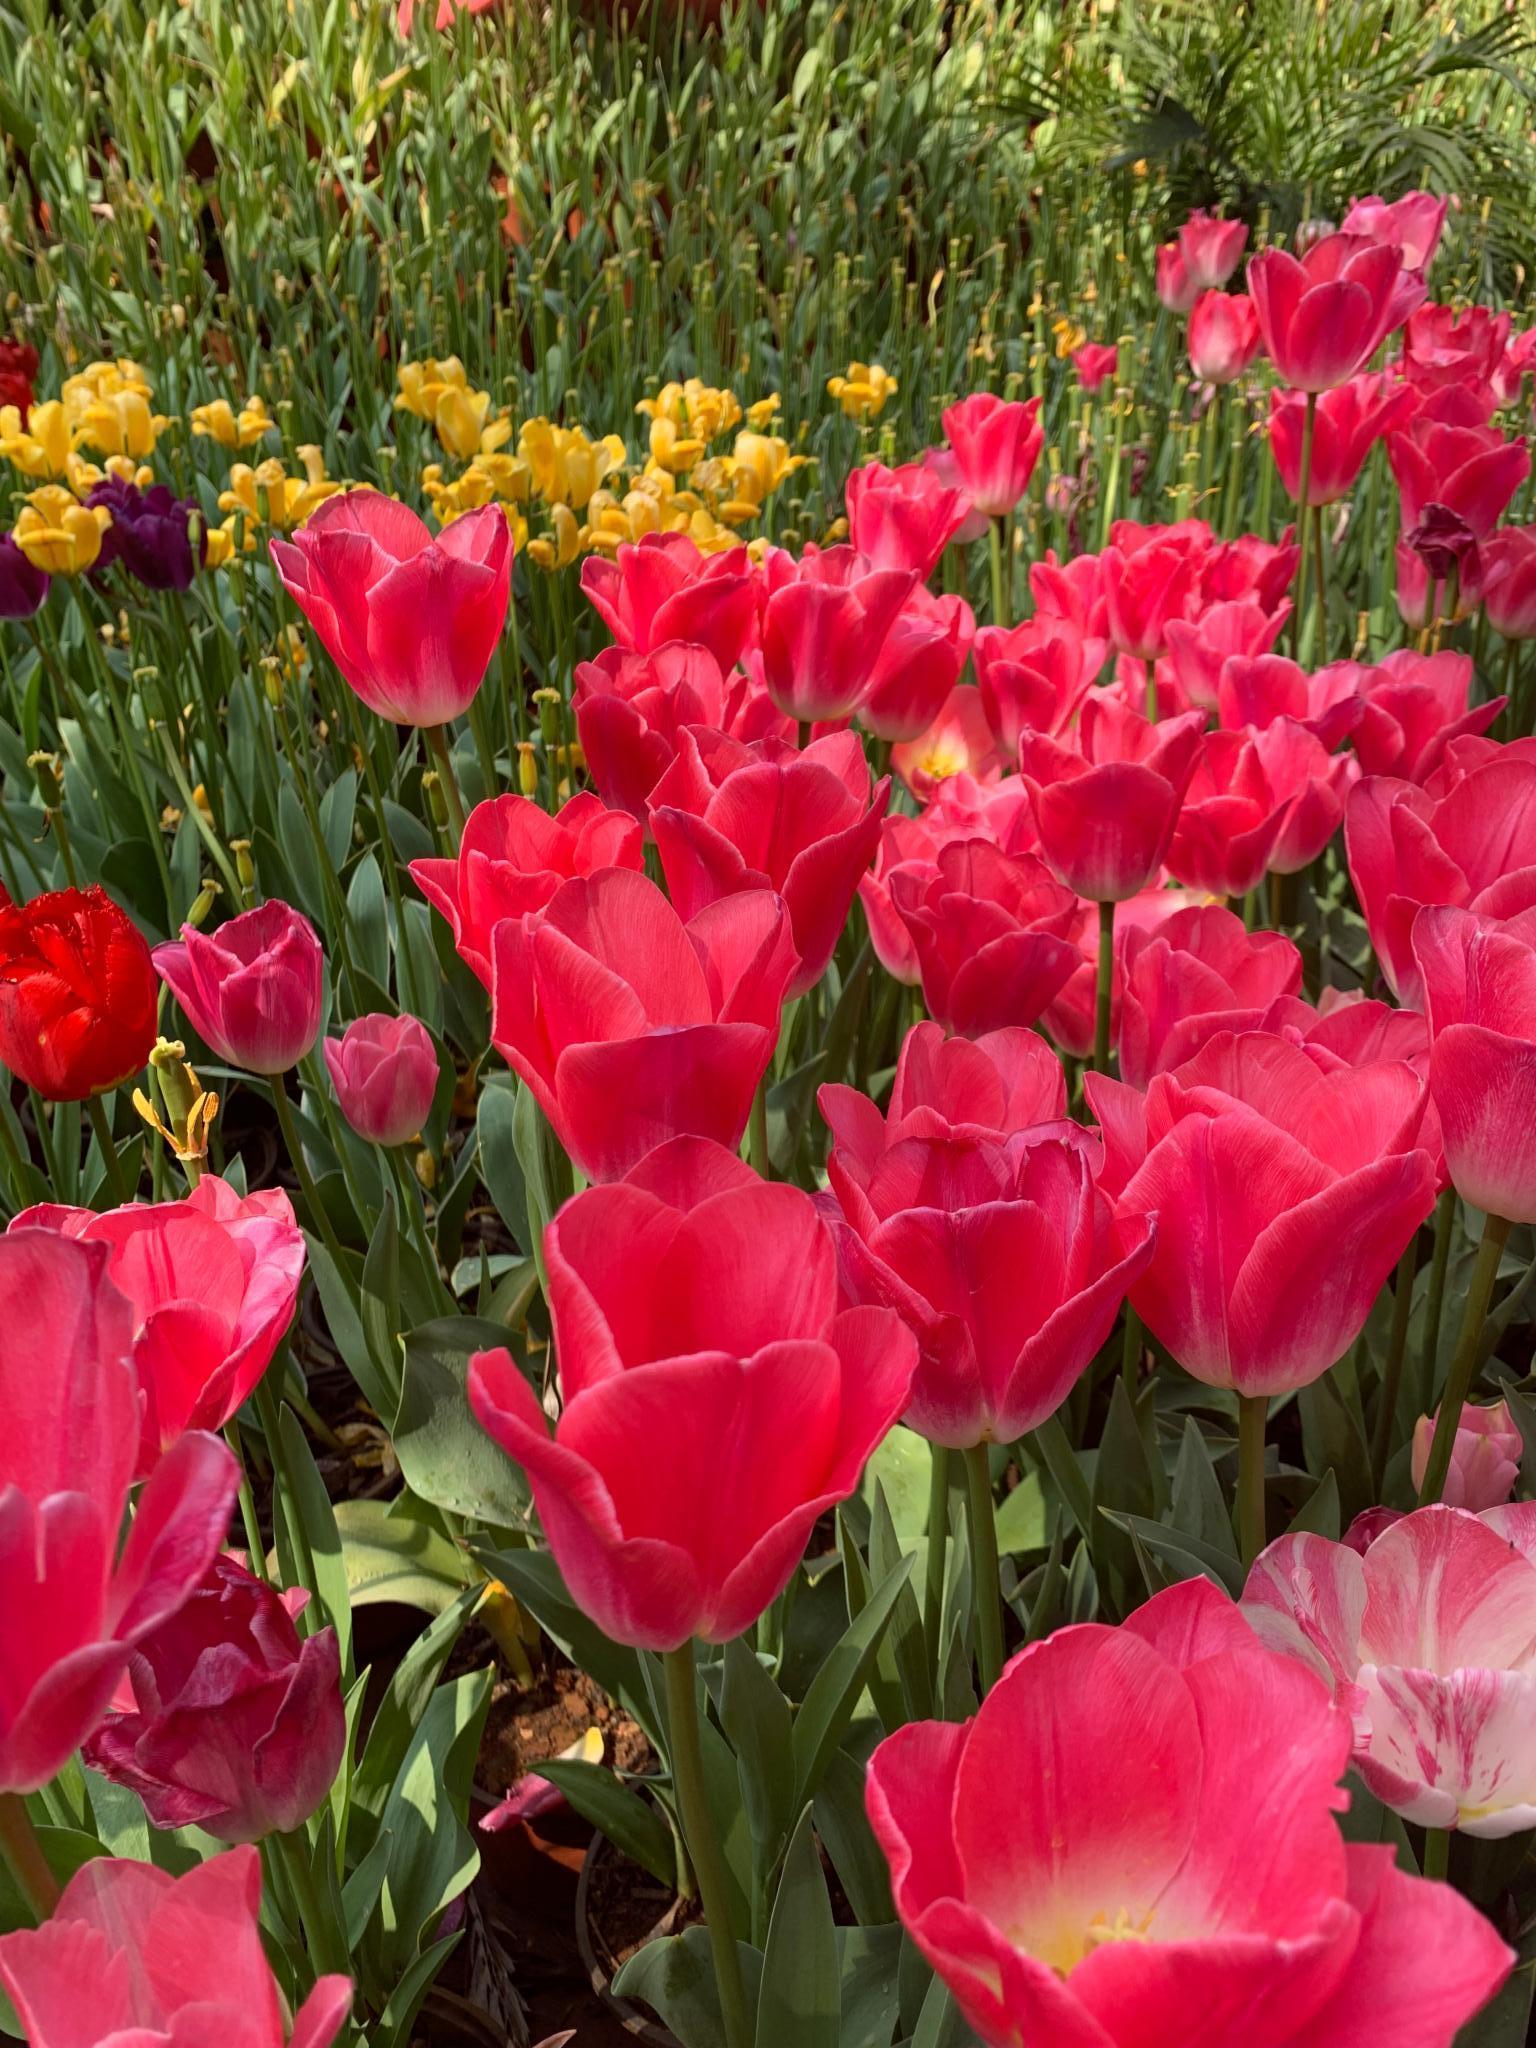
(958, 744)
(1349, 421)
(825, 619)
(236, 1725)
(919, 665)
(1284, 1194)
(1223, 336)
(1299, 769)
(78, 994)
(133, 1956)
(632, 1027)
(1230, 826)
(1519, 360)
(996, 444)
(1323, 317)
(385, 1071)
(1471, 471)
(1176, 289)
(74, 1607)
(1251, 693)
(665, 588)
(1469, 840)
(1073, 592)
(1095, 363)
(1144, 590)
(963, 809)
(1139, 1826)
(212, 1280)
(973, 525)
(18, 369)
(990, 934)
(715, 1401)
(1239, 633)
(1479, 984)
(1442, 346)
(1211, 248)
(729, 817)
(999, 1254)
(1245, 568)
(411, 618)
(1032, 677)
(1414, 706)
(630, 707)
(1413, 223)
(252, 989)
(1194, 975)
(964, 1088)
(1106, 811)
(512, 859)
(1070, 1021)
(902, 518)
(1509, 582)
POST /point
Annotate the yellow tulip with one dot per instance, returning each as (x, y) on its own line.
(219, 421)
(675, 452)
(560, 547)
(864, 391)
(57, 533)
(101, 380)
(120, 423)
(41, 445)
(699, 409)
(288, 501)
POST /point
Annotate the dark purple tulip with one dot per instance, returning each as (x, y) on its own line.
(22, 588)
(150, 533)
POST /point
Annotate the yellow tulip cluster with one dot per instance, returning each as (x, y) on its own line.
(864, 391)
(104, 408)
(438, 391)
(219, 421)
(269, 496)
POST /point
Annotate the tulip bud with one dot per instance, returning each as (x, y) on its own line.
(385, 1071)
(437, 803)
(254, 993)
(202, 904)
(548, 702)
(1485, 1458)
(46, 774)
(527, 768)
(245, 867)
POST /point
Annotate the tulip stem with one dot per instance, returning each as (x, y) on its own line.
(1434, 1306)
(1104, 1003)
(121, 1192)
(1397, 1347)
(986, 1584)
(757, 1129)
(687, 1761)
(1303, 517)
(1131, 1346)
(23, 1856)
(1436, 1860)
(1469, 1345)
(437, 743)
(1000, 606)
(1252, 1417)
(938, 1553)
(326, 1943)
(256, 1549)
(301, 1168)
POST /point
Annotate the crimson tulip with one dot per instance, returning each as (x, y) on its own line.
(715, 1401)
(632, 1026)
(1139, 1826)
(252, 989)
(1348, 421)
(1106, 810)
(18, 369)
(1032, 677)
(1196, 974)
(1095, 363)
(962, 809)
(729, 817)
(902, 518)
(989, 932)
(411, 618)
(512, 858)
(1325, 314)
(78, 994)
(1230, 825)
(236, 1724)
(1223, 336)
(1211, 247)
(385, 1071)
(1285, 1192)
(75, 1605)
(1200, 650)
(1176, 289)
(996, 443)
(919, 665)
(630, 708)
(825, 617)
(1412, 223)
(133, 1956)
(1509, 582)
(1471, 471)
(1439, 571)
(663, 587)
(1442, 346)
(213, 1281)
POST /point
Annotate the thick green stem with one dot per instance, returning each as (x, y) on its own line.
(986, 1586)
(1252, 1415)
(1105, 996)
(1465, 1363)
(253, 1543)
(1437, 1853)
(122, 1194)
(295, 1146)
(23, 1855)
(757, 1129)
(687, 1760)
(938, 1552)
(1397, 1348)
(1434, 1305)
(1130, 1351)
(327, 1943)
(1001, 610)
(1303, 516)
(437, 742)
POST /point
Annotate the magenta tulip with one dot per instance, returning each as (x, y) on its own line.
(252, 989)
(996, 443)
(385, 1071)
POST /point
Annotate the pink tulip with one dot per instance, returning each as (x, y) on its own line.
(1233, 817)
(825, 618)
(1412, 707)
(805, 825)
(513, 857)
(966, 1088)
(1135, 1836)
(1145, 589)
(410, 618)
(1072, 592)
(902, 518)
(1323, 317)
(919, 665)
(1349, 421)
(1194, 975)
(1200, 649)
(1439, 571)
(1471, 471)
(1095, 363)
(1413, 223)
(1106, 811)
(1485, 1458)
(236, 1725)
(1429, 1640)
(962, 809)
(1509, 582)
(632, 1027)
(1070, 1020)
(252, 989)
(134, 1957)
(1244, 568)
(716, 1403)
(973, 525)
(989, 933)
(958, 745)
(665, 588)
(996, 444)
(1252, 692)
(1032, 677)
(1285, 1191)
(385, 1071)
(1176, 289)
(75, 1607)
(212, 1281)
(1223, 336)
(1442, 346)
(1211, 248)
(1519, 360)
